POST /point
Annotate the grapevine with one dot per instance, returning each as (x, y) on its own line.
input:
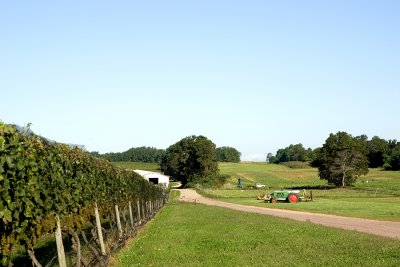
(41, 180)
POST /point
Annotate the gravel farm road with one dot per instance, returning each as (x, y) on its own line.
(382, 228)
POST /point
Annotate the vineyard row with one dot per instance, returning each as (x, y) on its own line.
(43, 184)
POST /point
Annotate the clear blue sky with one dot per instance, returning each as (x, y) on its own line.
(254, 75)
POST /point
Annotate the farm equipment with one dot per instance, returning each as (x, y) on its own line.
(291, 196)
(258, 185)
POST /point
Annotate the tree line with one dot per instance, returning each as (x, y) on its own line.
(292, 153)
(380, 153)
(343, 157)
(154, 155)
(134, 154)
(192, 160)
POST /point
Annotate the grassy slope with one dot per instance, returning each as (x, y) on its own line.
(377, 199)
(280, 176)
(185, 234)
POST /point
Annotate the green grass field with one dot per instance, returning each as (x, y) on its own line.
(185, 234)
(155, 167)
(272, 175)
(379, 198)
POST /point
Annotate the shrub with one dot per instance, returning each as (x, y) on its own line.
(297, 164)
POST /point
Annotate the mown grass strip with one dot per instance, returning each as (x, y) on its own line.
(386, 209)
(185, 234)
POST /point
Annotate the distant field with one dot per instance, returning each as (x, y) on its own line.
(276, 176)
(185, 234)
(272, 175)
(379, 198)
(139, 166)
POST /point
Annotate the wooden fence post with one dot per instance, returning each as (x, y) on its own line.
(151, 207)
(138, 211)
(143, 211)
(118, 221)
(99, 231)
(60, 247)
(131, 215)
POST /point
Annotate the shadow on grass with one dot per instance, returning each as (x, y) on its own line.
(44, 252)
(313, 187)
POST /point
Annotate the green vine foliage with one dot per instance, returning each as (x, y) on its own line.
(39, 180)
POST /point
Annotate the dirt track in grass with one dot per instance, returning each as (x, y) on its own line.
(382, 228)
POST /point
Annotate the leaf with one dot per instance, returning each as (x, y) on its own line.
(6, 215)
(28, 213)
(2, 141)
(9, 161)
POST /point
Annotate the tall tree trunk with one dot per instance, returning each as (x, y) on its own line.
(344, 175)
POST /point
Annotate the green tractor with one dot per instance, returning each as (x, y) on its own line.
(284, 195)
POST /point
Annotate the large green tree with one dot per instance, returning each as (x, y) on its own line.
(376, 150)
(342, 159)
(192, 159)
(392, 157)
(228, 154)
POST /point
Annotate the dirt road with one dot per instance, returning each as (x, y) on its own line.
(382, 228)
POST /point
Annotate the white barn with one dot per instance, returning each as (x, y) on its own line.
(154, 177)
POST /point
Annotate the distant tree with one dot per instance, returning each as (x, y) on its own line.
(135, 154)
(376, 150)
(314, 159)
(270, 158)
(392, 144)
(363, 138)
(192, 159)
(95, 154)
(298, 153)
(292, 153)
(310, 155)
(392, 157)
(282, 155)
(342, 158)
(228, 154)
(144, 154)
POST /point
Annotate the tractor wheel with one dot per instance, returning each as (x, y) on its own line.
(293, 198)
(273, 200)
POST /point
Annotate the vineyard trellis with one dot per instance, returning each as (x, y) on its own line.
(95, 204)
